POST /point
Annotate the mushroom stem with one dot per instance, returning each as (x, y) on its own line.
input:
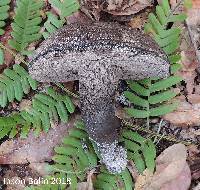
(97, 89)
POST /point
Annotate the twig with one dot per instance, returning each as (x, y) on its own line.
(158, 131)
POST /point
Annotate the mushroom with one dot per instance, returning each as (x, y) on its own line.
(98, 55)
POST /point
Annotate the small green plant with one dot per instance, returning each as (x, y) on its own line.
(25, 28)
(4, 7)
(153, 97)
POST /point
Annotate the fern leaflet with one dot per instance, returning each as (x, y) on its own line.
(26, 24)
(65, 7)
(10, 125)
(167, 39)
(52, 24)
(4, 7)
(142, 151)
(46, 109)
(107, 181)
(14, 83)
(1, 57)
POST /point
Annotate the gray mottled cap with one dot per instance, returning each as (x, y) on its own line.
(60, 58)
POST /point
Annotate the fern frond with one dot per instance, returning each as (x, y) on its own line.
(14, 83)
(107, 181)
(26, 24)
(12, 125)
(168, 39)
(4, 7)
(151, 97)
(52, 24)
(142, 151)
(65, 7)
(47, 108)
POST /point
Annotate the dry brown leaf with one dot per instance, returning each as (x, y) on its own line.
(193, 23)
(172, 170)
(187, 113)
(124, 7)
(40, 168)
(139, 20)
(188, 61)
(196, 4)
(143, 179)
(32, 149)
(86, 185)
(8, 58)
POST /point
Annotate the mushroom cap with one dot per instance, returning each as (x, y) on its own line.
(61, 56)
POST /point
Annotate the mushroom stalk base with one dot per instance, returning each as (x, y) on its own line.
(113, 156)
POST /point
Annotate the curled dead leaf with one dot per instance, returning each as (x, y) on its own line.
(172, 170)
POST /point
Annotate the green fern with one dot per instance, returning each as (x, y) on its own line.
(52, 24)
(152, 97)
(142, 151)
(26, 24)
(65, 7)
(14, 83)
(167, 39)
(4, 7)
(107, 181)
(11, 126)
(149, 97)
(1, 57)
(46, 109)
(73, 159)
